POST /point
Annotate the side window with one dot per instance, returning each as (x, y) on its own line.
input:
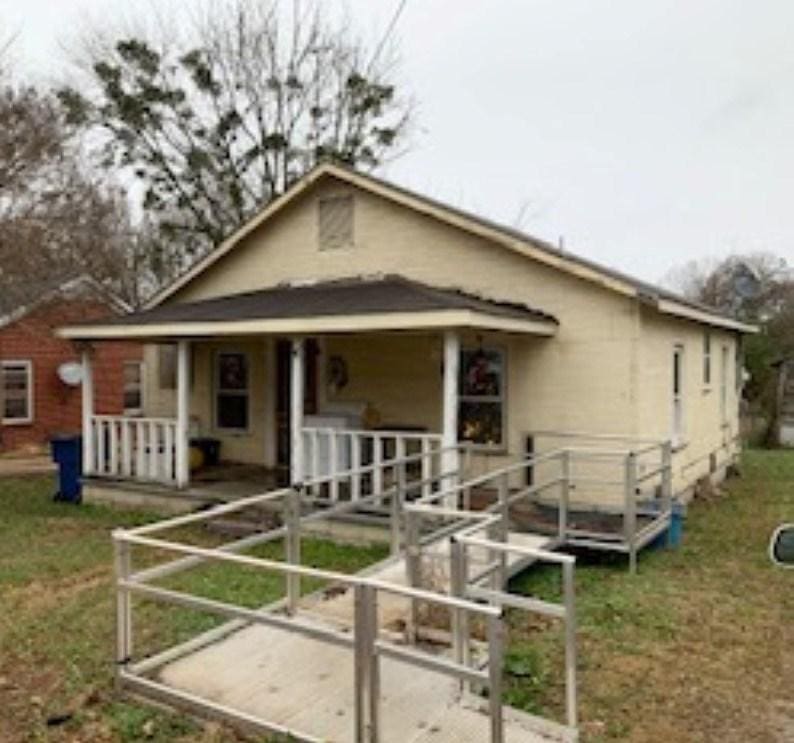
(679, 412)
(738, 366)
(133, 387)
(724, 384)
(481, 401)
(231, 391)
(706, 358)
(17, 397)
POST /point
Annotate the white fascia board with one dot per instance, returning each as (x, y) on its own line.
(390, 321)
(677, 309)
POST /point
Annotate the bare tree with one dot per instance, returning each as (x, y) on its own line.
(218, 121)
(753, 286)
(57, 219)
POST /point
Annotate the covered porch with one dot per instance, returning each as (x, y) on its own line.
(309, 380)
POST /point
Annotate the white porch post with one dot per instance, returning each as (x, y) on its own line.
(88, 413)
(449, 432)
(182, 403)
(296, 410)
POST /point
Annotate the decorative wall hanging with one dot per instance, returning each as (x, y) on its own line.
(337, 373)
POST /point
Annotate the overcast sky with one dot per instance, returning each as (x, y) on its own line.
(645, 132)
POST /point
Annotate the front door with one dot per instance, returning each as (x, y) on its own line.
(283, 391)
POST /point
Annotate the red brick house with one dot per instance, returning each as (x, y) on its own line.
(35, 402)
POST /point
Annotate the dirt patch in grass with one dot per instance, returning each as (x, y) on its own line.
(38, 596)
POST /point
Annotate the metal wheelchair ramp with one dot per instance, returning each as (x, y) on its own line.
(409, 650)
(306, 686)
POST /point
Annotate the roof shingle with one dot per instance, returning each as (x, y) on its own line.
(350, 296)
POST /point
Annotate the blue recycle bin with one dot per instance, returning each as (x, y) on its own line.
(67, 453)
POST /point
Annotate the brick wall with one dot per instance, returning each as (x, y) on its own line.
(56, 407)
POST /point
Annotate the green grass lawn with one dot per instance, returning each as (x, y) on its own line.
(690, 649)
(57, 617)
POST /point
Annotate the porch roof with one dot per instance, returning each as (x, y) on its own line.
(356, 304)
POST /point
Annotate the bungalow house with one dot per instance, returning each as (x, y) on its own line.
(37, 399)
(350, 304)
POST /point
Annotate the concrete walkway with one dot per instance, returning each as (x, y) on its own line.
(20, 466)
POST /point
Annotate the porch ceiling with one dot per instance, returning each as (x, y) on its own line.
(340, 306)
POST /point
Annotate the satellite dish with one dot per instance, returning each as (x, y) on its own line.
(70, 373)
(745, 282)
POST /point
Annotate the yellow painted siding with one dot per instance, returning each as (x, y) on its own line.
(399, 375)
(588, 354)
(607, 370)
(158, 402)
(705, 432)
(255, 445)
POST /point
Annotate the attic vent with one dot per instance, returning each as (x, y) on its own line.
(335, 222)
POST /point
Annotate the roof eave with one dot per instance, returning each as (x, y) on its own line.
(525, 245)
(84, 280)
(330, 324)
(678, 309)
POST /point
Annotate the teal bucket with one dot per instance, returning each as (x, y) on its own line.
(675, 533)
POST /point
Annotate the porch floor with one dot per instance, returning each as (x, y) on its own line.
(229, 480)
(209, 486)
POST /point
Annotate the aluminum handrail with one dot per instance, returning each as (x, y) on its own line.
(541, 554)
(493, 474)
(593, 436)
(123, 536)
(209, 513)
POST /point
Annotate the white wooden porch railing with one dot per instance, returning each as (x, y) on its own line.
(133, 448)
(331, 451)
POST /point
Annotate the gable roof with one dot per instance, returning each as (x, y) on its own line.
(79, 286)
(531, 247)
(389, 302)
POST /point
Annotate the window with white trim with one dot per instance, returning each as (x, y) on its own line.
(678, 395)
(738, 365)
(724, 385)
(231, 391)
(481, 398)
(706, 358)
(17, 392)
(133, 387)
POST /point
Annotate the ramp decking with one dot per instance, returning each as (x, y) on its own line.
(307, 685)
